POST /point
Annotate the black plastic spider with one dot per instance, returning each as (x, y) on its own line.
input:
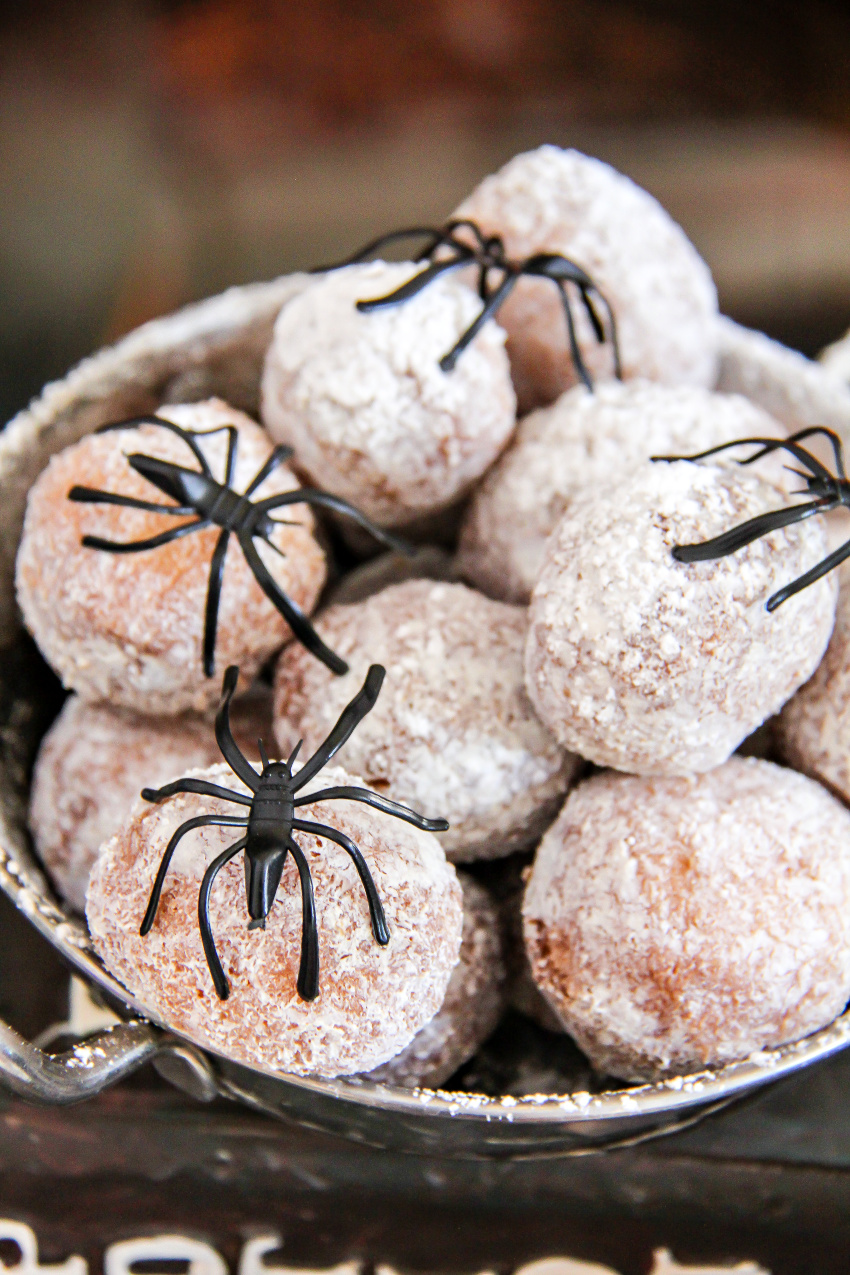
(269, 826)
(829, 491)
(488, 254)
(216, 504)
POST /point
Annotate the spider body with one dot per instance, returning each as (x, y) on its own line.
(207, 502)
(209, 499)
(446, 250)
(268, 830)
(829, 491)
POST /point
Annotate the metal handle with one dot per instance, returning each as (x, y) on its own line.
(80, 1072)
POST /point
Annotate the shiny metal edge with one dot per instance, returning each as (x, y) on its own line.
(23, 882)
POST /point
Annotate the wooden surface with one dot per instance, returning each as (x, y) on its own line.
(751, 1184)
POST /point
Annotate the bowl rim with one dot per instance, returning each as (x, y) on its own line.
(24, 883)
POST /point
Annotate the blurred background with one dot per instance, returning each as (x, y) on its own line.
(154, 152)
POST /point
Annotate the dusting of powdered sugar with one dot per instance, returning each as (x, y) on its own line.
(584, 442)
(677, 923)
(661, 291)
(652, 666)
(473, 1004)
(94, 762)
(91, 767)
(372, 1000)
(812, 732)
(364, 402)
(453, 734)
(128, 628)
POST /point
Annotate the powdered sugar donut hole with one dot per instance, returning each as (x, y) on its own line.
(453, 734)
(812, 733)
(680, 923)
(584, 442)
(364, 402)
(660, 289)
(94, 762)
(128, 628)
(91, 767)
(652, 666)
(372, 1000)
(473, 1005)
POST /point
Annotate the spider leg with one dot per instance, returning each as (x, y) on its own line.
(308, 970)
(599, 327)
(138, 546)
(200, 821)
(835, 442)
(805, 457)
(561, 271)
(463, 223)
(278, 457)
(376, 909)
(370, 798)
(802, 582)
(187, 435)
(90, 496)
(494, 301)
(296, 619)
(230, 750)
(280, 522)
(349, 719)
(595, 321)
(435, 237)
(311, 496)
(201, 786)
(232, 444)
(446, 237)
(765, 445)
(735, 539)
(416, 284)
(575, 352)
(213, 599)
(490, 255)
(554, 266)
(219, 978)
(612, 332)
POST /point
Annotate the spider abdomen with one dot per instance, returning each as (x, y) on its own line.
(222, 506)
(272, 809)
(269, 834)
(210, 498)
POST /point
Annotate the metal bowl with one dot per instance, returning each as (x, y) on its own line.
(217, 347)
